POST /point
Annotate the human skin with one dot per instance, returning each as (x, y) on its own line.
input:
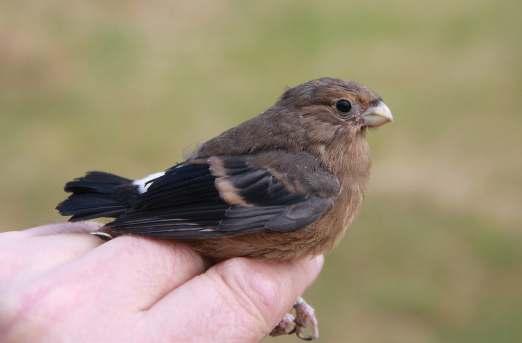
(58, 284)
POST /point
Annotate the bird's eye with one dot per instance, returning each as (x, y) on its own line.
(343, 106)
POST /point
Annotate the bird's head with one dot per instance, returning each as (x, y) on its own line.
(323, 116)
(330, 107)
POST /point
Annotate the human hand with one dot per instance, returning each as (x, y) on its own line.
(58, 284)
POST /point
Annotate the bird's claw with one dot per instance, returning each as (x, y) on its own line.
(303, 320)
(285, 327)
(102, 235)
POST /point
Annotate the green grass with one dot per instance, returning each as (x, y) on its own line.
(435, 255)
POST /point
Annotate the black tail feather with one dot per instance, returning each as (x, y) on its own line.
(97, 194)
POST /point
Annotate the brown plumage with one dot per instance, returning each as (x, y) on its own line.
(279, 186)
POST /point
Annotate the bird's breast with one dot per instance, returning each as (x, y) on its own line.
(350, 163)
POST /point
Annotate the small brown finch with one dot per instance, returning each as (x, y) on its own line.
(279, 186)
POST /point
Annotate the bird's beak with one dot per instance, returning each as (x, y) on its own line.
(377, 115)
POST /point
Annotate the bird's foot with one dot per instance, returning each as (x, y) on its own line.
(303, 321)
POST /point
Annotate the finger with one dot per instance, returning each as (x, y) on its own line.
(237, 300)
(50, 229)
(67, 227)
(129, 272)
(25, 256)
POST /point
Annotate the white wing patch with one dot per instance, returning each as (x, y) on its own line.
(144, 184)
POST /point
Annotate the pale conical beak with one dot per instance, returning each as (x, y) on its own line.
(377, 115)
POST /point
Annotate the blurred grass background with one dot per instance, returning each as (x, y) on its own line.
(129, 87)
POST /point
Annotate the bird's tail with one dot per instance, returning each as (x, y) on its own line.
(97, 194)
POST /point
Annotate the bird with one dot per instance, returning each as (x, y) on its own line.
(282, 185)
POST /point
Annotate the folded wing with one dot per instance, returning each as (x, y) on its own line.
(232, 195)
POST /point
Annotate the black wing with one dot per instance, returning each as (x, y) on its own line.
(224, 196)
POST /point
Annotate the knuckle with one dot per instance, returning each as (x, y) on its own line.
(48, 301)
(21, 306)
(264, 291)
(253, 290)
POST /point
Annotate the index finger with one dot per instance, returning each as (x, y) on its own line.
(237, 300)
